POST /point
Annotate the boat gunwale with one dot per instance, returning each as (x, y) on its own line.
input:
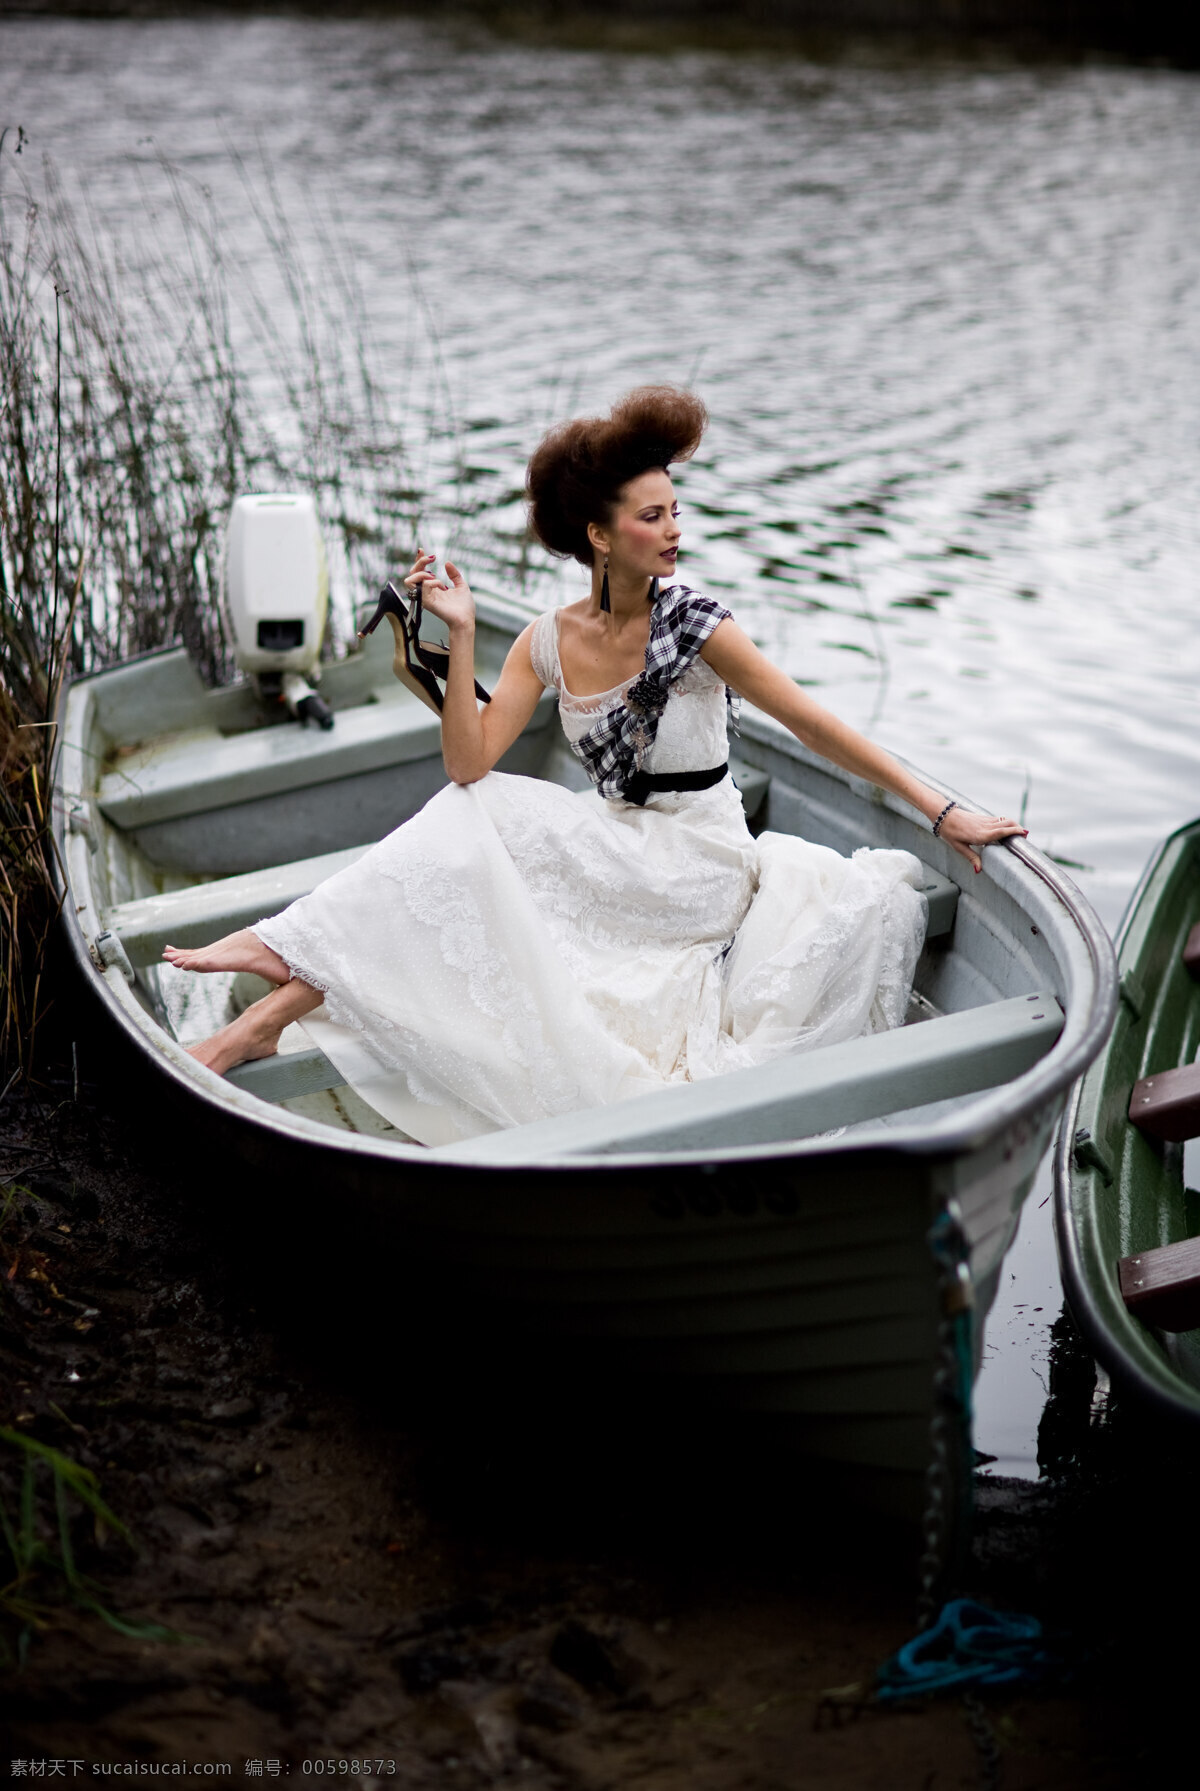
(1162, 1387)
(986, 1117)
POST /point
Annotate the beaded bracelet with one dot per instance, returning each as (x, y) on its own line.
(938, 823)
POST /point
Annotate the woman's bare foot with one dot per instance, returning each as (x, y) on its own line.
(256, 1032)
(252, 1035)
(239, 951)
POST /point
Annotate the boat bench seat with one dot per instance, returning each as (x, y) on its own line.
(1166, 1105)
(1162, 1286)
(840, 1085)
(206, 911)
(794, 1097)
(203, 770)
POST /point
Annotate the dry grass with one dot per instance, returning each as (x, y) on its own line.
(128, 424)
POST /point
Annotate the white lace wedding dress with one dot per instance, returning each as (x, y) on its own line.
(518, 950)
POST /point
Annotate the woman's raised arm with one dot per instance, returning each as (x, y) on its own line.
(474, 738)
(735, 659)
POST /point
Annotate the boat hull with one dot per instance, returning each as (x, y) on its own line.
(1116, 1190)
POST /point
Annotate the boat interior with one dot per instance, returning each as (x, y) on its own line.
(191, 812)
(1128, 1210)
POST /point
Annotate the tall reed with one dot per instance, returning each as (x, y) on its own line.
(144, 389)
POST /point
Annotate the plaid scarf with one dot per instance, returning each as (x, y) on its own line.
(614, 747)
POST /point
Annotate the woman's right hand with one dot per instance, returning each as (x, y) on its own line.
(452, 602)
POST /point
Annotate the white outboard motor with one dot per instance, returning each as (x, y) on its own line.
(277, 598)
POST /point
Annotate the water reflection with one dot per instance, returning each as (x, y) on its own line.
(945, 318)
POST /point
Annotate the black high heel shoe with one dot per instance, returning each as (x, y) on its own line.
(421, 666)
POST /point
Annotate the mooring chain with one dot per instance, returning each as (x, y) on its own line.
(986, 1745)
(950, 1427)
(949, 1476)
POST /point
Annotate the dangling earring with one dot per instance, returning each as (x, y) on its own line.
(605, 604)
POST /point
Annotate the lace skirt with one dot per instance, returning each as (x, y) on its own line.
(516, 951)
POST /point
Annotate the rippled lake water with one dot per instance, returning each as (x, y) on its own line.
(946, 319)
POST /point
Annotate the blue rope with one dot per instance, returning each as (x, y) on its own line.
(967, 1645)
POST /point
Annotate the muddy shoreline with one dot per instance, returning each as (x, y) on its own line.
(363, 1558)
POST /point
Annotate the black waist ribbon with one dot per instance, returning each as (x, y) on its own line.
(647, 783)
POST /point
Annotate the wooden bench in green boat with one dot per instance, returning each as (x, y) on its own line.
(1161, 1286)
(793, 1097)
(206, 911)
(1166, 1105)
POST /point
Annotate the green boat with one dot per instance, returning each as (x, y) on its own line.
(1120, 1191)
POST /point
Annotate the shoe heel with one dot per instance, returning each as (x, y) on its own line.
(390, 604)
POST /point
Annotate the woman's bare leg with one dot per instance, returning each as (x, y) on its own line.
(256, 1032)
(238, 951)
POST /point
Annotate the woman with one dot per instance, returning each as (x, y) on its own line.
(516, 950)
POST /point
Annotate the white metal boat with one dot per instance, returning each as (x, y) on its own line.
(759, 1242)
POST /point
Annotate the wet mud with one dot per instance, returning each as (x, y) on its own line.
(372, 1568)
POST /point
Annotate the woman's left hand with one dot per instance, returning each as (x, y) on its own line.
(969, 833)
(451, 601)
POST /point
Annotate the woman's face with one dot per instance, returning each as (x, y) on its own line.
(644, 528)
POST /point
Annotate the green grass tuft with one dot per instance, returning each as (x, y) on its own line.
(39, 1573)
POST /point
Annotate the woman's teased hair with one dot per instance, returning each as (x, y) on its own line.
(578, 470)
